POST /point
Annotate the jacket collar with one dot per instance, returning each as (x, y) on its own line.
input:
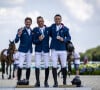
(27, 31)
(54, 26)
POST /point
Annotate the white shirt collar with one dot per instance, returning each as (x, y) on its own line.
(58, 27)
(42, 28)
(28, 30)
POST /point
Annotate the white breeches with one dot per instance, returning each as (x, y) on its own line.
(59, 54)
(25, 57)
(41, 56)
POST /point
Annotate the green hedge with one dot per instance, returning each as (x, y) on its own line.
(92, 69)
(95, 72)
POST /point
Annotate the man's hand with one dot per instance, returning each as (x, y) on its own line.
(20, 32)
(60, 38)
(41, 37)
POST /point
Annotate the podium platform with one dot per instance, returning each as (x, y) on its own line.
(60, 87)
(31, 86)
(80, 88)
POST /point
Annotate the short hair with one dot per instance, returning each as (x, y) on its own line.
(28, 18)
(39, 17)
(57, 15)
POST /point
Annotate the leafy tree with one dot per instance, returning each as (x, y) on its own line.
(92, 54)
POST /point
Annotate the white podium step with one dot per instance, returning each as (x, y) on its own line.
(79, 88)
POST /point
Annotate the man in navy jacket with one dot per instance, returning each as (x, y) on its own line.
(25, 37)
(41, 41)
(60, 36)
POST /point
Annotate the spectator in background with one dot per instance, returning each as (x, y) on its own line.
(16, 63)
(85, 60)
(76, 58)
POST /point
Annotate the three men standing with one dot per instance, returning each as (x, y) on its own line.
(40, 37)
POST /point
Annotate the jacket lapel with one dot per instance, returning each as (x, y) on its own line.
(28, 33)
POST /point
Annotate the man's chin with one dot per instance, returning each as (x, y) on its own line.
(27, 26)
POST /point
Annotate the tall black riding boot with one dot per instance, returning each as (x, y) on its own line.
(46, 77)
(28, 75)
(64, 72)
(28, 70)
(19, 74)
(37, 73)
(54, 72)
